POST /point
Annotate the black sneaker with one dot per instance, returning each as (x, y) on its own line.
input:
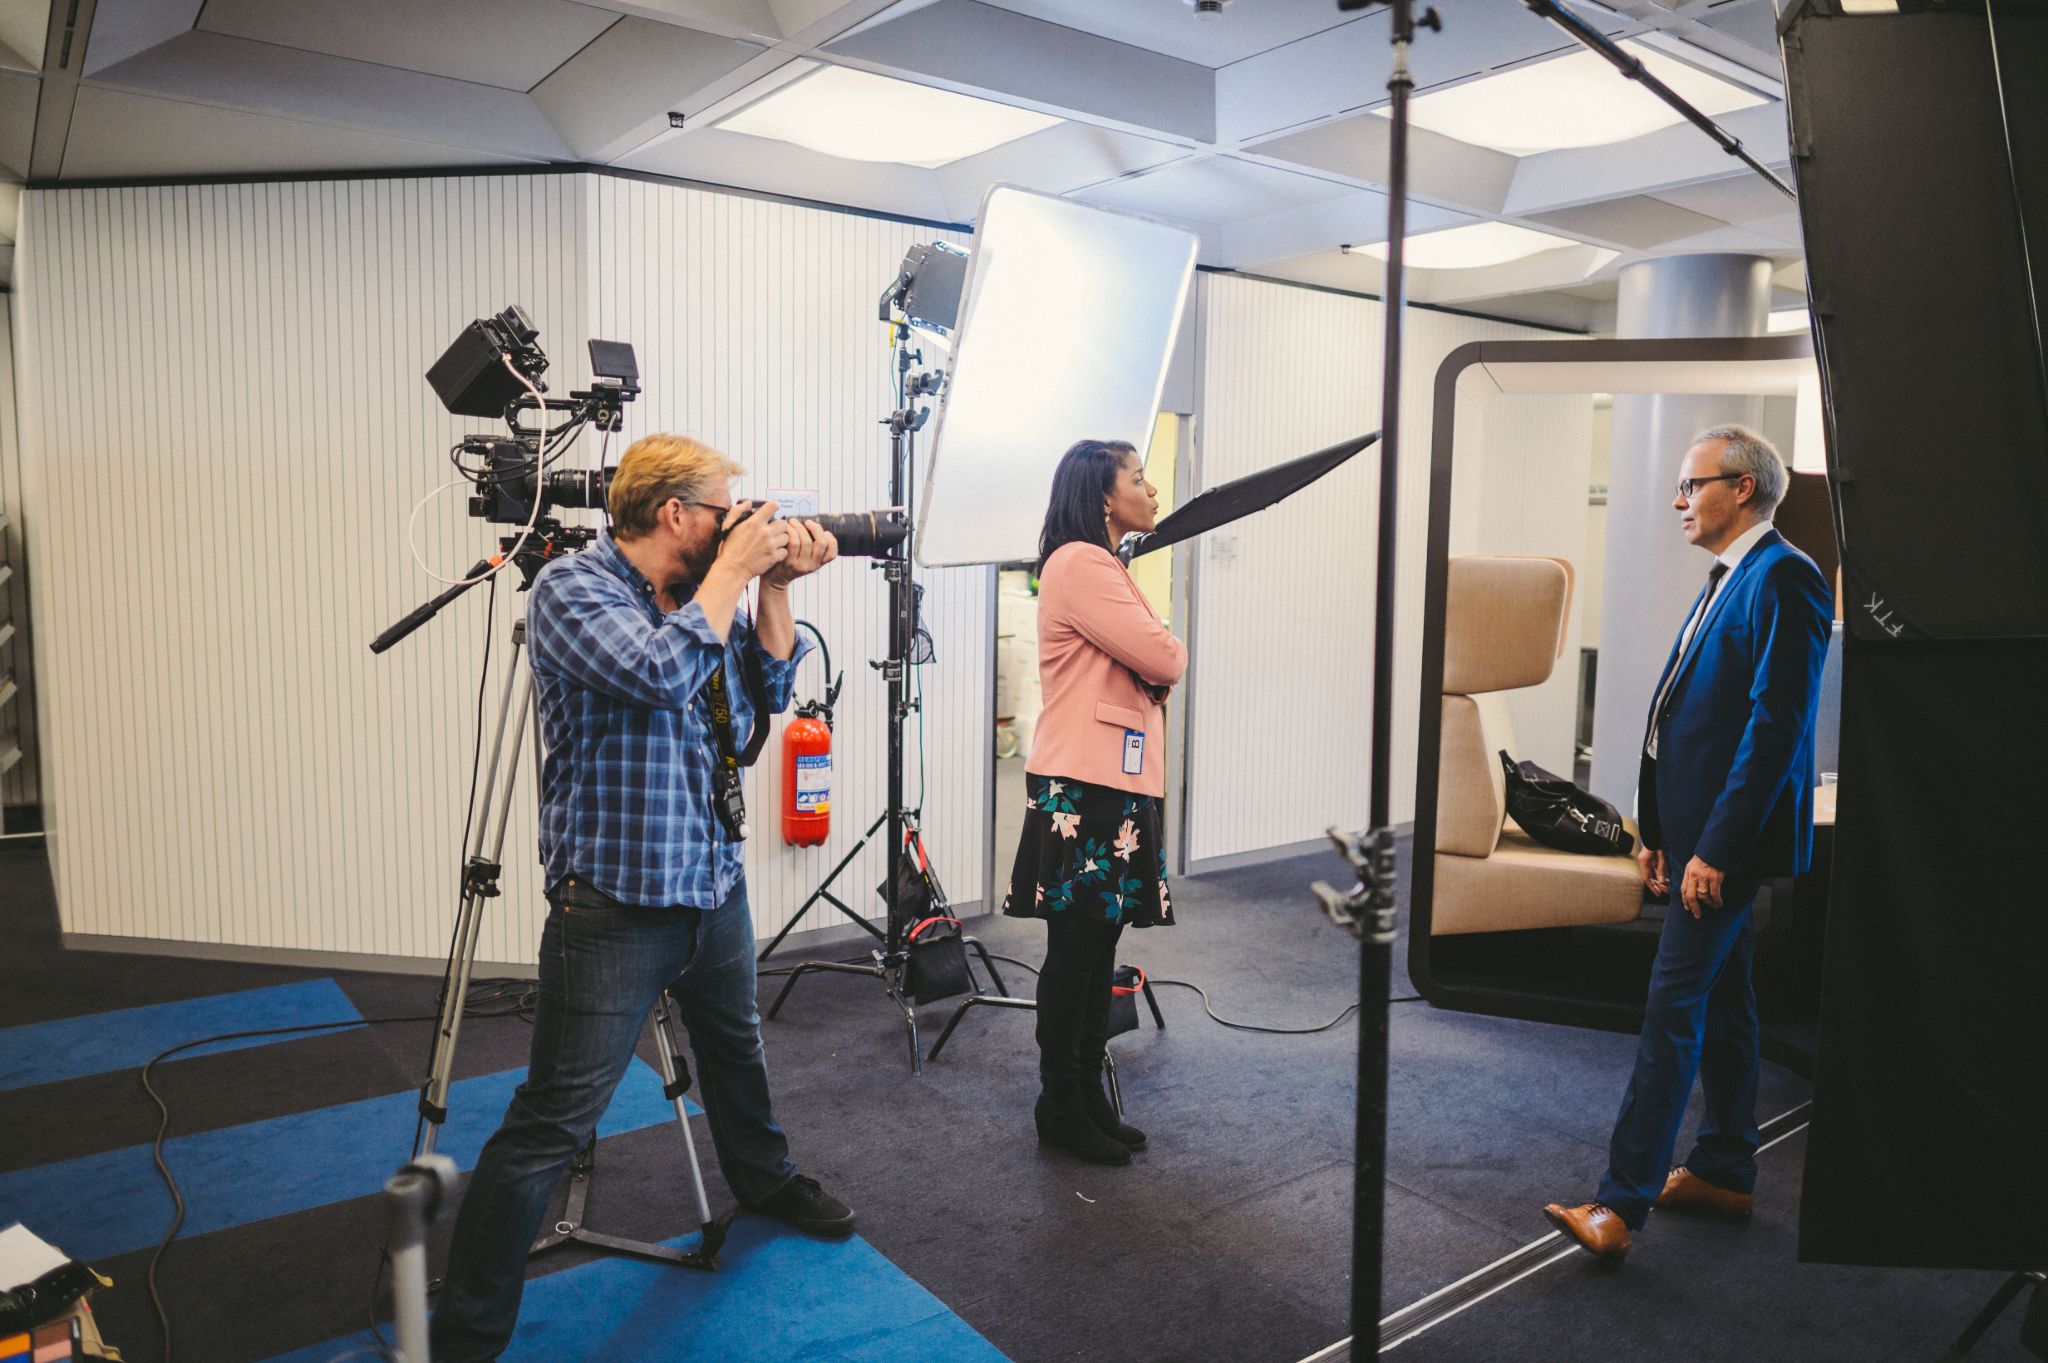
(803, 1204)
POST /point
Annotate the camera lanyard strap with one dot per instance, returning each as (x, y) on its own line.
(729, 799)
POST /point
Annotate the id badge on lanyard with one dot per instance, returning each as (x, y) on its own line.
(1134, 752)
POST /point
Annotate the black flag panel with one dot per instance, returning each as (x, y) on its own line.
(1920, 142)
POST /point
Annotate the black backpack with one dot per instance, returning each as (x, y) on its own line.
(1558, 814)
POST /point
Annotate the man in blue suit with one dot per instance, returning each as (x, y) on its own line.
(1725, 802)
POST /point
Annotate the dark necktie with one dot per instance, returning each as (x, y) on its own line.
(1692, 631)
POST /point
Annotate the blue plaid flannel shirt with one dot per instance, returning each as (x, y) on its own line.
(626, 785)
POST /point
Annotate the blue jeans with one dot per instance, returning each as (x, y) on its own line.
(1700, 1021)
(602, 966)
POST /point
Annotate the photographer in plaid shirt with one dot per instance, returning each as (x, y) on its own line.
(646, 886)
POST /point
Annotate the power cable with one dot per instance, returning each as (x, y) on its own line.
(1227, 1022)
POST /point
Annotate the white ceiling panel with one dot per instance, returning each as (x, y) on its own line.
(722, 158)
(618, 91)
(1737, 198)
(1056, 161)
(115, 133)
(123, 28)
(242, 74)
(18, 96)
(24, 28)
(1215, 189)
(511, 44)
(1637, 223)
(1244, 29)
(1348, 67)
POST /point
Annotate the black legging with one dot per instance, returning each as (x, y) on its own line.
(1073, 995)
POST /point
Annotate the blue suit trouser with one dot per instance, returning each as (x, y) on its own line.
(1700, 1022)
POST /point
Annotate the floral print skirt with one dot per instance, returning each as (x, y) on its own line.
(1090, 849)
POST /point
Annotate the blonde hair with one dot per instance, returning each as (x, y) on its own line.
(654, 469)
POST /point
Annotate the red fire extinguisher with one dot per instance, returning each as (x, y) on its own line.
(807, 762)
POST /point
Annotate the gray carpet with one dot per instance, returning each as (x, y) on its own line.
(1226, 1242)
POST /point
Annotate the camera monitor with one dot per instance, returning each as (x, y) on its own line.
(1065, 330)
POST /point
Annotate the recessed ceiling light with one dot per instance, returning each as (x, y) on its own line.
(860, 117)
(1572, 101)
(1870, 6)
(1470, 247)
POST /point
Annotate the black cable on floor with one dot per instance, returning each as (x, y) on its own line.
(1239, 1026)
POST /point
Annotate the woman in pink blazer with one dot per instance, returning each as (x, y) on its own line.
(1092, 859)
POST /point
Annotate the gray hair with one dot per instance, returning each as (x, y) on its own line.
(1747, 452)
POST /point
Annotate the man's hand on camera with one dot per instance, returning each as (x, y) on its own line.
(755, 542)
(811, 547)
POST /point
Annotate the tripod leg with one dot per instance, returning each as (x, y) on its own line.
(479, 882)
(675, 1079)
(447, 1027)
(1116, 1090)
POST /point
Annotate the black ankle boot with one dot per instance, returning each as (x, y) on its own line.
(1102, 1111)
(1064, 1124)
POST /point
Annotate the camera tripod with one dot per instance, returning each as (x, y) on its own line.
(890, 961)
(517, 716)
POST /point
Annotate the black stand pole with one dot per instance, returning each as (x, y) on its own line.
(892, 959)
(1368, 907)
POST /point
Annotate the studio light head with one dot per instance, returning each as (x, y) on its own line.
(927, 288)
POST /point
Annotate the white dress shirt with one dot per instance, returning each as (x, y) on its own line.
(1730, 558)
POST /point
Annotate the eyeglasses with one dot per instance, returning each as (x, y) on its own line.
(1689, 487)
(723, 511)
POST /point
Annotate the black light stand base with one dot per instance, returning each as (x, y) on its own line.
(824, 892)
(889, 972)
(2033, 1334)
(1005, 1001)
(570, 1229)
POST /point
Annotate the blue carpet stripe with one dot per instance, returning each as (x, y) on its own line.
(68, 1048)
(777, 1296)
(98, 1206)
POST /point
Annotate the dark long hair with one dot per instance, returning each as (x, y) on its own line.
(1084, 479)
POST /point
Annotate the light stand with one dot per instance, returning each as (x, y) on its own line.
(890, 962)
(1368, 907)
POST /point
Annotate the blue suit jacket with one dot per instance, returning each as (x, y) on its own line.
(1732, 782)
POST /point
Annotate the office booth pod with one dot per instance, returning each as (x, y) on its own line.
(1498, 923)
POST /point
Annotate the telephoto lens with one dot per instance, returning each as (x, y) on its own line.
(863, 534)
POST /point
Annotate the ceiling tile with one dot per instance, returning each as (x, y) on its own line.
(718, 157)
(262, 78)
(116, 133)
(618, 91)
(24, 28)
(1214, 189)
(1753, 23)
(125, 28)
(18, 95)
(1244, 29)
(1737, 198)
(1638, 223)
(512, 44)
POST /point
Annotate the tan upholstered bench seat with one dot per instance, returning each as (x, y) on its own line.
(1524, 884)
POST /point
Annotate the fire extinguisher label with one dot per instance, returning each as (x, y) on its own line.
(814, 783)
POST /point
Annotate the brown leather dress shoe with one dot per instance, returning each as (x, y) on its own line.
(1594, 1226)
(1685, 1191)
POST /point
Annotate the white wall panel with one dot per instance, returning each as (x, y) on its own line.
(1279, 719)
(226, 427)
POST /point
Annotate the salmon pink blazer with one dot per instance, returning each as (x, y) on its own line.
(1098, 637)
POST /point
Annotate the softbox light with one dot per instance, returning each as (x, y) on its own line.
(1065, 331)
